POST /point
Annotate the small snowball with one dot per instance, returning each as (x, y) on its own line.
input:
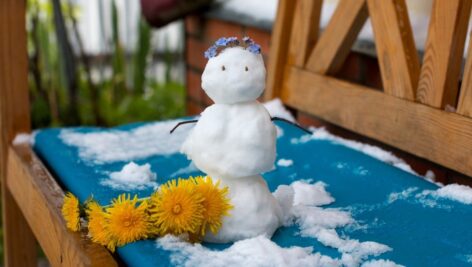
(131, 177)
(285, 162)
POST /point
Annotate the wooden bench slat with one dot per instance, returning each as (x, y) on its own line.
(442, 137)
(465, 99)
(305, 29)
(279, 47)
(396, 50)
(338, 37)
(439, 79)
(40, 199)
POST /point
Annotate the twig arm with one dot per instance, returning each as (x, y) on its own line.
(182, 123)
(292, 123)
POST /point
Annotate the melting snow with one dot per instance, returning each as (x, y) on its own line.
(301, 203)
(120, 145)
(132, 177)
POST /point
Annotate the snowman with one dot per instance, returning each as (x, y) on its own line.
(234, 140)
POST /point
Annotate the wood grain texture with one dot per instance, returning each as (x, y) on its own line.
(396, 50)
(439, 79)
(19, 242)
(338, 37)
(464, 106)
(305, 29)
(442, 137)
(279, 47)
(40, 199)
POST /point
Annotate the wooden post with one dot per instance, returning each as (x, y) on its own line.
(19, 242)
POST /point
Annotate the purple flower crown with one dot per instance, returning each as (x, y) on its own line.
(223, 42)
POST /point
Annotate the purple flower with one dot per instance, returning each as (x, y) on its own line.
(211, 52)
(247, 40)
(221, 42)
(232, 41)
(254, 48)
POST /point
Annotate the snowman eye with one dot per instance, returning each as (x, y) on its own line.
(246, 68)
(223, 68)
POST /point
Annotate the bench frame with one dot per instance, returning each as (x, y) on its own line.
(421, 110)
(408, 114)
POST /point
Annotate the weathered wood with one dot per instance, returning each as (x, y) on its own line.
(19, 243)
(279, 47)
(442, 137)
(40, 199)
(396, 50)
(338, 37)
(464, 106)
(441, 68)
(305, 29)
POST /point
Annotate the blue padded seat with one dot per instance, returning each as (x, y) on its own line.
(422, 230)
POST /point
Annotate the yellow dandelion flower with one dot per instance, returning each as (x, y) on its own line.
(177, 208)
(127, 221)
(97, 224)
(71, 212)
(216, 203)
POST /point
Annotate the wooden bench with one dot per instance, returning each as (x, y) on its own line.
(409, 114)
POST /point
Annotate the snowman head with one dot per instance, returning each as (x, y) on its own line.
(236, 74)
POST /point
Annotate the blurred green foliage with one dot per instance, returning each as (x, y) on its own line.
(62, 91)
(64, 85)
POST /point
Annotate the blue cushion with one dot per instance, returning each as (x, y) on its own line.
(419, 233)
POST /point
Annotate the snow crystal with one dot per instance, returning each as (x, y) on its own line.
(131, 177)
(121, 145)
(461, 193)
(284, 162)
(373, 151)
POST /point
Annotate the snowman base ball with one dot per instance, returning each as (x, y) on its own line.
(234, 140)
(255, 211)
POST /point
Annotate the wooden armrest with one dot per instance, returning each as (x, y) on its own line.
(40, 199)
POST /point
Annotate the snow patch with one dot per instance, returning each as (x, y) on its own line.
(311, 194)
(380, 263)
(277, 109)
(461, 193)
(23, 138)
(185, 170)
(300, 203)
(132, 177)
(257, 251)
(284, 162)
(120, 145)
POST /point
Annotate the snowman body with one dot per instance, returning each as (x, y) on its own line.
(234, 141)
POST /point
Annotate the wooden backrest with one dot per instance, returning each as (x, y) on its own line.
(410, 113)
